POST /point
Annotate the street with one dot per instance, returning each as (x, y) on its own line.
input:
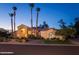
(19, 49)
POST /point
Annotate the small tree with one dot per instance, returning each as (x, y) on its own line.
(62, 24)
(65, 31)
(77, 25)
(45, 25)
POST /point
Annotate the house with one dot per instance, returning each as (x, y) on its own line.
(24, 31)
(48, 33)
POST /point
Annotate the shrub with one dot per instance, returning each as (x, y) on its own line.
(22, 39)
(34, 37)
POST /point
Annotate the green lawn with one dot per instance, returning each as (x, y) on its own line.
(56, 42)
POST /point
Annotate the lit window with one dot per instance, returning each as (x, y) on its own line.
(23, 30)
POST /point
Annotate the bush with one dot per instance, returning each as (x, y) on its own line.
(22, 39)
(19, 40)
(34, 37)
(3, 39)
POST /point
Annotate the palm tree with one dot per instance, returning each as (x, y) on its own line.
(38, 10)
(31, 6)
(14, 9)
(11, 15)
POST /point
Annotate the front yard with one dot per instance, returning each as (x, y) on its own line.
(36, 41)
(56, 42)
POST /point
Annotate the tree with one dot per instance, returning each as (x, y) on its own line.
(62, 24)
(45, 25)
(40, 26)
(14, 9)
(11, 15)
(66, 31)
(38, 10)
(31, 9)
(77, 25)
(71, 25)
(4, 35)
(31, 6)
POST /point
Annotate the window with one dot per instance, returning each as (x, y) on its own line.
(23, 30)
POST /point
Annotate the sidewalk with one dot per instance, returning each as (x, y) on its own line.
(39, 42)
(75, 42)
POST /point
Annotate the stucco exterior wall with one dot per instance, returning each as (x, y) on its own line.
(48, 33)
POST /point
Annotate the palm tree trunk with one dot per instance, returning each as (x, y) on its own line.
(12, 26)
(37, 24)
(14, 20)
(31, 20)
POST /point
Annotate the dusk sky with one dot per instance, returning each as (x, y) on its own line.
(51, 13)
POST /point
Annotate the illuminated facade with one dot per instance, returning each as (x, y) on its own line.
(24, 31)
